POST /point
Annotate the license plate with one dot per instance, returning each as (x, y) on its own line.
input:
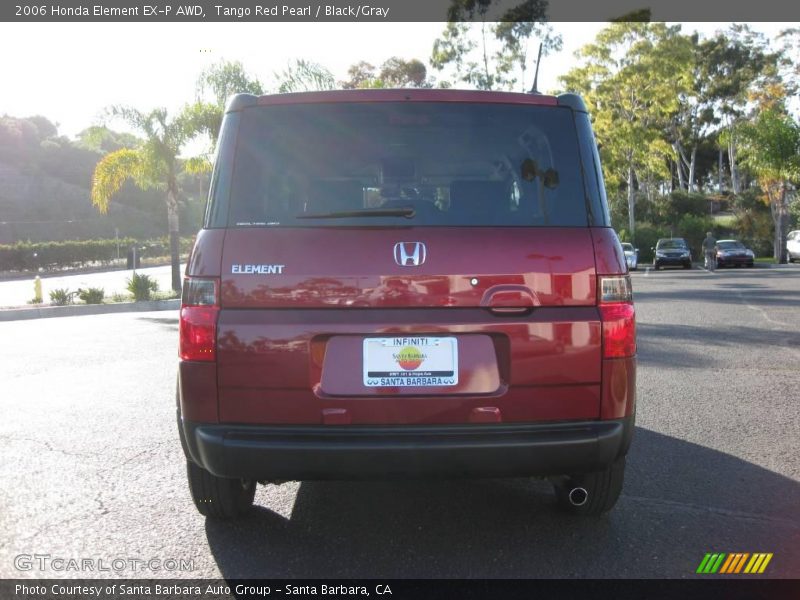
(410, 361)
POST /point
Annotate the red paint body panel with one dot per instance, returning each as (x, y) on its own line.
(270, 365)
(206, 254)
(355, 267)
(523, 405)
(547, 360)
(609, 257)
(619, 388)
(198, 397)
(408, 95)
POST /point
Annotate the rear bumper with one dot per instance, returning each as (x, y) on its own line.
(734, 260)
(376, 452)
(672, 262)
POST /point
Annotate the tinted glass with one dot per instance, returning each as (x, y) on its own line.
(730, 245)
(627, 247)
(671, 244)
(444, 164)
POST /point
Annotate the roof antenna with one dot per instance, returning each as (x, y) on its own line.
(534, 89)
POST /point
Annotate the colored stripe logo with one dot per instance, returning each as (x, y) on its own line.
(734, 563)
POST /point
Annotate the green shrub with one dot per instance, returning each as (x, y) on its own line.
(645, 239)
(117, 297)
(142, 286)
(92, 295)
(61, 296)
(671, 208)
(693, 229)
(755, 229)
(55, 255)
(794, 213)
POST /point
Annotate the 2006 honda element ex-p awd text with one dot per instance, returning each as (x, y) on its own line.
(406, 283)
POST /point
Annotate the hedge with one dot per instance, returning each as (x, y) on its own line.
(54, 255)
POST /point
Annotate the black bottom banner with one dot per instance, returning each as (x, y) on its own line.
(395, 589)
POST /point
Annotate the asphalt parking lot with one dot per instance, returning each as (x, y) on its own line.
(92, 468)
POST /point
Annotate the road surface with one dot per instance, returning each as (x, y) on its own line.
(92, 468)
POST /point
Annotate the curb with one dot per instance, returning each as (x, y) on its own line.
(19, 314)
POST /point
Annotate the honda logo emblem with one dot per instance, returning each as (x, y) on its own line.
(410, 254)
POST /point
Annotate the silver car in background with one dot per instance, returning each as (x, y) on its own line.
(793, 246)
(631, 256)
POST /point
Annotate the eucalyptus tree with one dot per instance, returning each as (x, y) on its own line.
(770, 147)
(733, 65)
(632, 77)
(492, 56)
(395, 72)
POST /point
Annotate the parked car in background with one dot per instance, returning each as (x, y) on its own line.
(733, 253)
(793, 246)
(631, 256)
(672, 252)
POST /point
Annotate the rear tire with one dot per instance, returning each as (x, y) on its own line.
(218, 497)
(603, 489)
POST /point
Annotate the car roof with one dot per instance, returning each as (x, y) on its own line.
(240, 101)
(671, 239)
(737, 241)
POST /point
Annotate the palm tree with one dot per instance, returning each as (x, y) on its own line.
(154, 164)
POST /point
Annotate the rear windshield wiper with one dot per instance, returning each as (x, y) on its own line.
(407, 212)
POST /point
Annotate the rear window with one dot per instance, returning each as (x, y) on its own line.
(726, 245)
(671, 244)
(412, 164)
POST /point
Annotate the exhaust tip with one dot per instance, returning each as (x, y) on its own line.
(578, 496)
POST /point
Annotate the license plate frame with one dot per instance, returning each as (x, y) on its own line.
(410, 361)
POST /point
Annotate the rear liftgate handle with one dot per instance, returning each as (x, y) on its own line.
(509, 300)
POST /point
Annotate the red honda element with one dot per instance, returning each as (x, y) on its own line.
(403, 283)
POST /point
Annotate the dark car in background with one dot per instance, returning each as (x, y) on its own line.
(406, 283)
(733, 253)
(672, 252)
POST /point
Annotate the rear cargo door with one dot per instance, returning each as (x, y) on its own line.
(327, 324)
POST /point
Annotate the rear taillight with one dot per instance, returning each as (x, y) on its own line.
(198, 323)
(617, 315)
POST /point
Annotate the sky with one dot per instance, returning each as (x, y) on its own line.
(70, 72)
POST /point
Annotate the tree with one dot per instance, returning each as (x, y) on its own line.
(771, 149)
(394, 73)
(154, 164)
(632, 76)
(361, 75)
(303, 75)
(398, 73)
(224, 79)
(213, 89)
(101, 139)
(731, 65)
(491, 56)
(693, 115)
(514, 54)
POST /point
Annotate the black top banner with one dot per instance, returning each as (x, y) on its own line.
(397, 10)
